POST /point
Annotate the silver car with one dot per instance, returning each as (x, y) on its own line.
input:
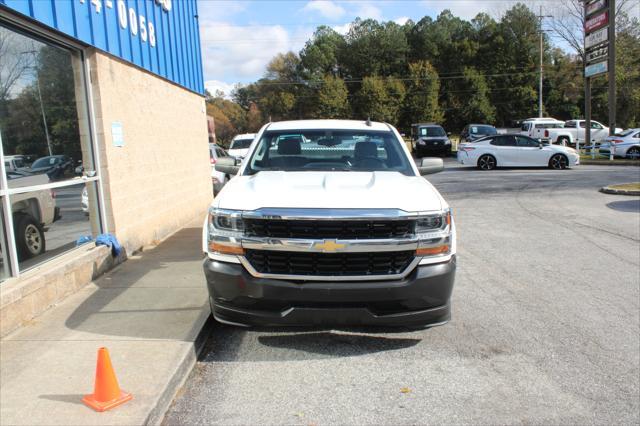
(625, 144)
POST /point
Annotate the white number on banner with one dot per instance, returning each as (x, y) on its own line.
(143, 28)
(152, 34)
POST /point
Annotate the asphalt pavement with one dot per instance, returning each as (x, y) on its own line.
(545, 327)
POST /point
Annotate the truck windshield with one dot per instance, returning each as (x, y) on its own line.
(483, 130)
(329, 150)
(240, 143)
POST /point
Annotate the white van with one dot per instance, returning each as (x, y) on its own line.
(535, 127)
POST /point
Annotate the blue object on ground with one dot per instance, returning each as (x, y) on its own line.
(111, 241)
(84, 239)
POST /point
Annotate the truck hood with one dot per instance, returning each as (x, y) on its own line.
(362, 190)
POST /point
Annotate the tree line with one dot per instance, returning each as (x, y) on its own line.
(446, 70)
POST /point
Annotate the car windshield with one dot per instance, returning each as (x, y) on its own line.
(432, 131)
(483, 130)
(240, 143)
(43, 162)
(329, 150)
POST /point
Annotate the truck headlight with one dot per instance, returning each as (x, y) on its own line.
(434, 234)
(225, 227)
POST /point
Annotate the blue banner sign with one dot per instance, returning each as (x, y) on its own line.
(595, 69)
(161, 36)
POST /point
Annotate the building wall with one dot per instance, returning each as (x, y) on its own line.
(161, 178)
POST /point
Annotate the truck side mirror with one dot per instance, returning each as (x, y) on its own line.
(227, 165)
(430, 166)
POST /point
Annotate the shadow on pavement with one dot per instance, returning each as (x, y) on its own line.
(334, 345)
(629, 206)
(68, 398)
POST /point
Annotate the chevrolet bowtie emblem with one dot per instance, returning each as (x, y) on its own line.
(329, 246)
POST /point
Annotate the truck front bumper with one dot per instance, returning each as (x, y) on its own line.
(422, 298)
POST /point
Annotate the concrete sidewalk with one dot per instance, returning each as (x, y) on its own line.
(148, 312)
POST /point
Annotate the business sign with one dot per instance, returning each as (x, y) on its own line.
(597, 55)
(595, 6)
(597, 37)
(595, 69)
(161, 36)
(596, 22)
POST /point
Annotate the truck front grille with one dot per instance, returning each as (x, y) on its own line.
(329, 229)
(329, 264)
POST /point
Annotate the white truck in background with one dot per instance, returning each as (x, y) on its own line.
(537, 128)
(574, 130)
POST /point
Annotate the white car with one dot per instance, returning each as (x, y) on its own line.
(240, 145)
(625, 144)
(322, 225)
(515, 151)
(218, 179)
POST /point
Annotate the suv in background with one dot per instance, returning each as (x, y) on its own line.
(240, 145)
(322, 225)
(471, 132)
(429, 139)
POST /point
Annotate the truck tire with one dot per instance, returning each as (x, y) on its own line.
(564, 141)
(30, 240)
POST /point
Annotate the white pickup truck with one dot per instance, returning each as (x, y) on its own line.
(574, 130)
(329, 222)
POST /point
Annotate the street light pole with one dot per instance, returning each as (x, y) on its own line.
(44, 116)
(541, 61)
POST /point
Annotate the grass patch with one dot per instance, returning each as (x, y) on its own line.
(634, 186)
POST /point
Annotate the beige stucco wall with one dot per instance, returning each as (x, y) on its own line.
(161, 179)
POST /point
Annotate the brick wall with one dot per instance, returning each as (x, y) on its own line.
(161, 178)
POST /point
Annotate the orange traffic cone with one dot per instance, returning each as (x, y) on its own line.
(106, 393)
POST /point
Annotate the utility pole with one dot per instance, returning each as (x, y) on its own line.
(612, 68)
(540, 17)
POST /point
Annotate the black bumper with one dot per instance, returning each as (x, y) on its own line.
(420, 299)
(426, 150)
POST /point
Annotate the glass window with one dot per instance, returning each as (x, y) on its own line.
(526, 142)
(432, 131)
(336, 150)
(46, 148)
(570, 124)
(596, 125)
(483, 130)
(240, 143)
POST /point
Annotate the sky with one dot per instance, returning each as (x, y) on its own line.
(239, 38)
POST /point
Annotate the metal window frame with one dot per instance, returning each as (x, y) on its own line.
(29, 29)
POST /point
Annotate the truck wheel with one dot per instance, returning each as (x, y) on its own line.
(487, 162)
(564, 141)
(30, 240)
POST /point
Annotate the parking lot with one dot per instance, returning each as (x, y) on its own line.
(544, 329)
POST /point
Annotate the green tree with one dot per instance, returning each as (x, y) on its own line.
(333, 98)
(476, 105)
(421, 101)
(380, 99)
(320, 54)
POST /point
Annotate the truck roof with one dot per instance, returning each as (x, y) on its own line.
(542, 119)
(327, 124)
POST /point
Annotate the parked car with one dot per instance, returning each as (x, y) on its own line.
(218, 179)
(574, 130)
(535, 127)
(472, 132)
(240, 145)
(33, 212)
(429, 139)
(515, 150)
(54, 166)
(314, 232)
(625, 144)
(14, 163)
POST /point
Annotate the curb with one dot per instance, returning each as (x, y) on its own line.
(181, 372)
(609, 190)
(608, 163)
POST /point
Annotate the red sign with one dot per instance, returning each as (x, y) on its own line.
(596, 22)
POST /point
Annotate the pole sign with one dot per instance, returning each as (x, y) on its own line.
(597, 54)
(594, 7)
(596, 69)
(596, 22)
(596, 38)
